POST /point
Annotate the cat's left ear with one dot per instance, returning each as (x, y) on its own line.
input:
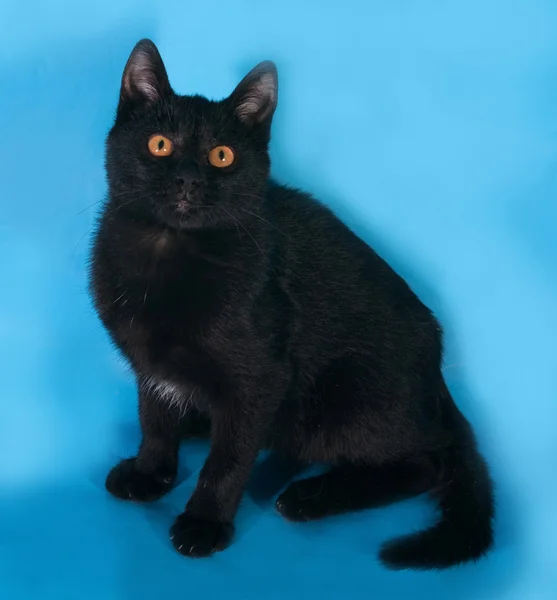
(145, 80)
(255, 97)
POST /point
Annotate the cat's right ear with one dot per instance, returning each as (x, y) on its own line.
(144, 80)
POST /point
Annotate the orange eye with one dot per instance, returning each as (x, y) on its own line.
(160, 145)
(221, 156)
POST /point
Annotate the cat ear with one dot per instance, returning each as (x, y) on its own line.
(255, 98)
(144, 80)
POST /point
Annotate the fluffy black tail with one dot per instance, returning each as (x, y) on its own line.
(464, 531)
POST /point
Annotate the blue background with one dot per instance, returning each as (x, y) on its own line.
(431, 127)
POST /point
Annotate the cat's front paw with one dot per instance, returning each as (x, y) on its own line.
(197, 538)
(299, 502)
(127, 482)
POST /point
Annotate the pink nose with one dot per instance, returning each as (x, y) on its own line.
(182, 206)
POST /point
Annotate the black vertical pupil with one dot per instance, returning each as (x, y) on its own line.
(222, 155)
(161, 144)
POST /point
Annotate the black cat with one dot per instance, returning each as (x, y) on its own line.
(248, 306)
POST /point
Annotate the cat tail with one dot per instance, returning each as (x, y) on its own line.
(464, 531)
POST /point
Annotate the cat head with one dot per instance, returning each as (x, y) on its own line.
(185, 161)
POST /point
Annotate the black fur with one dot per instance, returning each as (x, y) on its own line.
(247, 306)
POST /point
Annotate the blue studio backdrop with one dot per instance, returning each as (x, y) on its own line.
(431, 128)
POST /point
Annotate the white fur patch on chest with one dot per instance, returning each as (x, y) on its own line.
(168, 391)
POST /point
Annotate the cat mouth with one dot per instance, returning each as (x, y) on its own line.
(181, 213)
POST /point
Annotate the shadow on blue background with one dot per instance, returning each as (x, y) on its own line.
(431, 129)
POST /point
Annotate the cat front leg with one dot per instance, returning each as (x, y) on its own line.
(151, 473)
(238, 433)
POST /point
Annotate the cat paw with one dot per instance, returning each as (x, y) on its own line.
(298, 503)
(126, 482)
(196, 538)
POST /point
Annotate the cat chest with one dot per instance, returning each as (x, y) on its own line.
(146, 292)
(164, 327)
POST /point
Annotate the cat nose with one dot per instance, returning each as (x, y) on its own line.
(188, 181)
